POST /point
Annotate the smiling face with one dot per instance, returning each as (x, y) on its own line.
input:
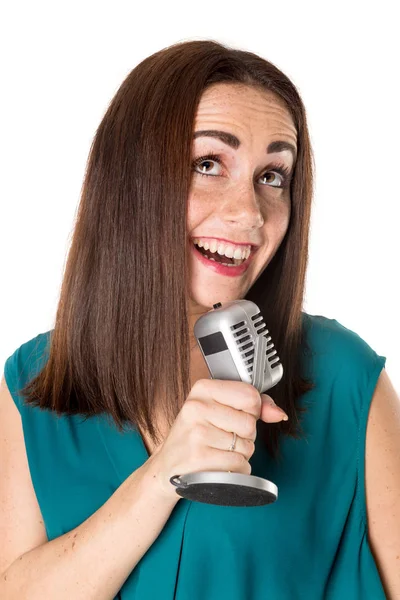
(242, 199)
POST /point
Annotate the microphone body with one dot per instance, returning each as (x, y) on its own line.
(236, 346)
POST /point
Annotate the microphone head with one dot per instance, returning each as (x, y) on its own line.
(236, 345)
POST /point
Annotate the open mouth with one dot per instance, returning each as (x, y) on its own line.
(220, 258)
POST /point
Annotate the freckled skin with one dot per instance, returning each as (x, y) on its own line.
(240, 200)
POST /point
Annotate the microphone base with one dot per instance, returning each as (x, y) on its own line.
(225, 488)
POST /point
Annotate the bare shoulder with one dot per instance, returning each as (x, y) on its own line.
(21, 522)
(382, 480)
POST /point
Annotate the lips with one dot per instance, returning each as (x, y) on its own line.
(231, 271)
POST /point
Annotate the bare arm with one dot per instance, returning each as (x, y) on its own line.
(91, 561)
(382, 480)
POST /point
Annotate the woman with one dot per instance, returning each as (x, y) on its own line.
(204, 150)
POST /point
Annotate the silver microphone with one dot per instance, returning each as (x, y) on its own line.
(236, 345)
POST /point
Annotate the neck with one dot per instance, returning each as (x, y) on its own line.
(193, 317)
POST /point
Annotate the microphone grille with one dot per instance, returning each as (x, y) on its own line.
(242, 334)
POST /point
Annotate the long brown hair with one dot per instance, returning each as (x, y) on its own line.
(121, 335)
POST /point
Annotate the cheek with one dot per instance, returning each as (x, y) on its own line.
(278, 222)
(198, 207)
(274, 232)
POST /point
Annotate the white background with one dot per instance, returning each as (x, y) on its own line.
(63, 62)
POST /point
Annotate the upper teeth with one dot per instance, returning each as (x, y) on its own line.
(223, 249)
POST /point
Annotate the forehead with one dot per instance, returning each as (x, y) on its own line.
(245, 108)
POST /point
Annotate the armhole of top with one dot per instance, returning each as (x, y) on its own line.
(11, 380)
(22, 366)
(379, 364)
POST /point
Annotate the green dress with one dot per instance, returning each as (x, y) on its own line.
(311, 544)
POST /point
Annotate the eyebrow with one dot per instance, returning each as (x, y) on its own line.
(234, 142)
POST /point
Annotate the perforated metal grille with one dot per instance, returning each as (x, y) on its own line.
(245, 343)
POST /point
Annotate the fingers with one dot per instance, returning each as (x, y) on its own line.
(223, 417)
(240, 396)
(221, 440)
(236, 394)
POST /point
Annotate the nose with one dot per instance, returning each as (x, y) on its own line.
(242, 206)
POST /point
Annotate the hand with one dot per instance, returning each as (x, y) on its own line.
(202, 432)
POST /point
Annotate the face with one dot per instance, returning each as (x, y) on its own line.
(241, 197)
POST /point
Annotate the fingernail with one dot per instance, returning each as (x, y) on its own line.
(272, 403)
(284, 417)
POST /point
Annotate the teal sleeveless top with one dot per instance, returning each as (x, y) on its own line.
(310, 544)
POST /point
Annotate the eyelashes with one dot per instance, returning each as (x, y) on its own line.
(283, 170)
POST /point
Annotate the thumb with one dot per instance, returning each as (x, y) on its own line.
(270, 409)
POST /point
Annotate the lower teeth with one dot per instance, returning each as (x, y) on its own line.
(236, 263)
(227, 264)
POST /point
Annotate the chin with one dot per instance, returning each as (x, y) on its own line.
(207, 299)
(200, 301)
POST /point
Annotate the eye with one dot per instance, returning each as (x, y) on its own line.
(276, 169)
